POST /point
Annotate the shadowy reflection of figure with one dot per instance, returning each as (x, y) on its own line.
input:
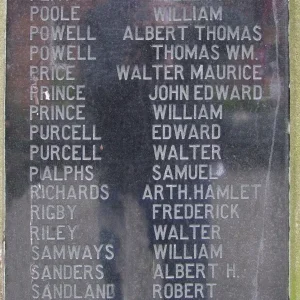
(122, 111)
(122, 114)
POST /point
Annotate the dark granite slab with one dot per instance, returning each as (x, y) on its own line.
(147, 150)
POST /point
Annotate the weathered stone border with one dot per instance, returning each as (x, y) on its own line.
(295, 150)
(2, 130)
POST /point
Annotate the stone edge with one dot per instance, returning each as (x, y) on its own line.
(2, 131)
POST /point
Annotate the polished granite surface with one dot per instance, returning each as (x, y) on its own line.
(147, 150)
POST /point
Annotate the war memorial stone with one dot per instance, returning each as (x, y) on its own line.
(147, 150)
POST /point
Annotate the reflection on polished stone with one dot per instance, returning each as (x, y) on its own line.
(147, 150)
